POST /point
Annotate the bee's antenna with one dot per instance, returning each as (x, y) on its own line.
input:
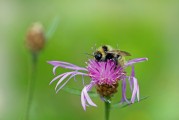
(117, 46)
(95, 46)
(89, 54)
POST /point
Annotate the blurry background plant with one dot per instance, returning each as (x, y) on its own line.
(35, 38)
(35, 41)
(143, 28)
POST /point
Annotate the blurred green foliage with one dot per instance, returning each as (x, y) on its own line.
(147, 28)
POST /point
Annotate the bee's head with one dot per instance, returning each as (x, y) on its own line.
(97, 55)
(101, 52)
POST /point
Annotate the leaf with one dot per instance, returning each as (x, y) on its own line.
(52, 28)
(125, 104)
(78, 92)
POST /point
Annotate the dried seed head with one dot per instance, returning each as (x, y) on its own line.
(106, 90)
(35, 38)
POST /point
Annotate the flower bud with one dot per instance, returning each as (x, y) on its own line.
(35, 38)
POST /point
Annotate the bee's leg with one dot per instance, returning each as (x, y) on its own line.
(115, 60)
(109, 56)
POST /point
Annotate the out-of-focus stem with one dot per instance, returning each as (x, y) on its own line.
(31, 85)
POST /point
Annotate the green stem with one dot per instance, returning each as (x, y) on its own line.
(107, 110)
(31, 85)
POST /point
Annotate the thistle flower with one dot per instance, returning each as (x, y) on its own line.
(105, 76)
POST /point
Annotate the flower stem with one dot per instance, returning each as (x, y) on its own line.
(107, 110)
(31, 85)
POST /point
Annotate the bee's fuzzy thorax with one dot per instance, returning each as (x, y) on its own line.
(106, 52)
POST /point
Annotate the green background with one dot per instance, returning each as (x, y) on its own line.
(145, 28)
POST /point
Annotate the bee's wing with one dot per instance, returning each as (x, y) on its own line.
(120, 52)
(124, 53)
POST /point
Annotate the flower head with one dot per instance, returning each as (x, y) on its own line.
(35, 38)
(105, 76)
(104, 72)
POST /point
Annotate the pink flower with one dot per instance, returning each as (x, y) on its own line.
(105, 76)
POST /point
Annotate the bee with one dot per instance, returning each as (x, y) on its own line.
(106, 52)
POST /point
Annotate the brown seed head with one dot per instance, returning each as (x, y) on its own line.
(106, 90)
(35, 38)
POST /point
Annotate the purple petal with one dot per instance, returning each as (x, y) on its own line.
(64, 76)
(83, 101)
(57, 77)
(124, 90)
(54, 69)
(138, 97)
(85, 97)
(66, 82)
(56, 63)
(131, 82)
(131, 62)
(132, 72)
(65, 65)
(74, 73)
(135, 90)
(73, 67)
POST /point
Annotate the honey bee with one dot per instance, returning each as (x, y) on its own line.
(106, 52)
